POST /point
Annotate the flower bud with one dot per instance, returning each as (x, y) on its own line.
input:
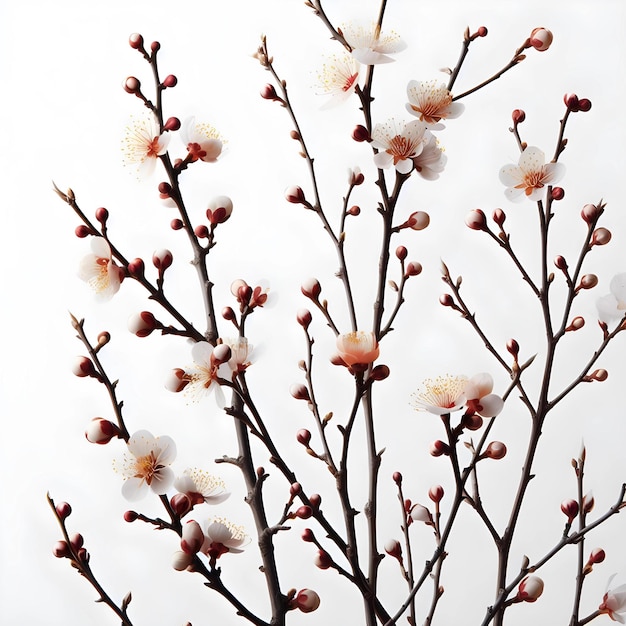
(221, 353)
(561, 263)
(181, 560)
(155, 46)
(61, 549)
(354, 210)
(570, 509)
(172, 124)
(311, 288)
(295, 195)
(142, 324)
(315, 499)
(397, 478)
(588, 281)
(322, 559)
(495, 450)
(600, 375)
(63, 509)
(600, 237)
(306, 600)
(394, 549)
(445, 299)
(83, 367)
(269, 92)
(219, 210)
(576, 324)
(103, 338)
(304, 512)
(181, 504)
(513, 348)
(597, 556)
(77, 541)
(192, 537)
(590, 213)
(588, 502)
(132, 85)
(131, 516)
(136, 41)
(558, 193)
(584, 104)
(530, 589)
(82, 231)
(439, 448)
(170, 81)
(571, 101)
(476, 220)
(360, 134)
(102, 215)
(177, 380)
(355, 177)
(401, 253)
(228, 314)
(101, 431)
(303, 436)
(162, 259)
(380, 372)
(499, 217)
(304, 318)
(540, 39)
(299, 392)
(419, 513)
(482, 31)
(307, 535)
(418, 220)
(435, 493)
(518, 116)
(413, 268)
(136, 268)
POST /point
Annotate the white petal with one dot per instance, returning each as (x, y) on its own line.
(201, 353)
(618, 288)
(162, 481)
(168, 449)
(367, 56)
(404, 166)
(100, 247)
(532, 159)
(134, 489)
(491, 405)
(141, 443)
(383, 160)
(511, 175)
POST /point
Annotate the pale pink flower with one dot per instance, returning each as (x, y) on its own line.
(431, 103)
(99, 270)
(419, 513)
(431, 161)
(369, 45)
(613, 305)
(614, 602)
(398, 144)
(200, 486)
(202, 140)
(338, 78)
(146, 466)
(529, 177)
(223, 536)
(479, 397)
(441, 395)
(357, 348)
(144, 143)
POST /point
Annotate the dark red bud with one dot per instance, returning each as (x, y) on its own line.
(170, 81)
(360, 134)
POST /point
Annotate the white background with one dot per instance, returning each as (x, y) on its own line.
(64, 112)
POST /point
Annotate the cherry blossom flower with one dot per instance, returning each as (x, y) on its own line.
(358, 348)
(223, 536)
(431, 103)
(613, 305)
(146, 466)
(202, 140)
(99, 270)
(241, 351)
(369, 45)
(431, 161)
(530, 175)
(614, 602)
(441, 395)
(338, 78)
(398, 145)
(207, 370)
(200, 486)
(144, 143)
(480, 400)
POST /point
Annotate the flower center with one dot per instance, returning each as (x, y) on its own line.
(196, 151)
(532, 180)
(146, 467)
(400, 148)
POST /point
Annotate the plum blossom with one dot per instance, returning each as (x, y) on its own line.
(530, 175)
(441, 395)
(613, 305)
(357, 348)
(240, 351)
(614, 602)
(431, 161)
(338, 78)
(200, 486)
(207, 370)
(431, 103)
(146, 465)
(144, 143)
(480, 400)
(223, 536)
(399, 144)
(99, 270)
(369, 45)
(202, 140)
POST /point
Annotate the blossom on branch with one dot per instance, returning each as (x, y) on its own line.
(531, 174)
(431, 161)
(480, 400)
(100, 271)
(146, 466)
(614, 603)
(613, 305)
(202, 140)
(144, 143)
(431, 103)
(441, 395)
(223, 536)
(399, 144)
(358, 348)
(200, 486)
(338, 78)
(369, 45)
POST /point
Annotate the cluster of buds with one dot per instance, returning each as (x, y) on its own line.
(249, 297)
(576, 104)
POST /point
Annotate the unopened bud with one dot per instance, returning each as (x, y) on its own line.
(584, 105)
(181, 504)
(558, 193)
(499, 217)
(311, 288)
(401, 252)
(295, 195)
(162, 259)
(299, 392)
(518, 116)
(63, 509)
(142, 324)
(380, 372)
(228, 314)
(306, 601)
(219, 210)
(445, 299)
(192, 537)
(600, 237)
(170, 81)
(307, 535)
(394, 549)
(172, 124)
(439, 448)
(476, 220)
(540, 39)
(131, 516)
(101, 431)
(435, 493)
(360, 134)
(177, 380)
(315, 499)
(418, 220)
(132, 85)
(181, 560)
(269, 92)
(61, 549)
(561, 263)
(600, 375)
(304, 512)
(530, 589)
(571, 101)
(304, 318)
(322, 559)
(413, 268)
(354, 211)
(588, 502)
(82, 231)
(576, 324)
(588, 281)
(590, 213)
(570, 509)
(83, 367)
(136, 268)
(495, 450)
(303, 436)
(136, 41)
(221, 353)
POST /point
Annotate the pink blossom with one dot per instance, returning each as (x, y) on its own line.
(357, 348)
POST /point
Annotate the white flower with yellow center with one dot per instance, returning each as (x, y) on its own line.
(202, 140)
(143, 144)
(398, 144)
(613, 305)
(223, 536)
(431, 103)
(369, 45)
(338, 78)
(200, 486)
(146, 466)
(441, 395)
(99, 271)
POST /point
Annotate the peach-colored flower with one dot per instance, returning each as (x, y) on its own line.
(431, 103)
(531, 174)
(399, 144)
(99, 270)
(357, 348)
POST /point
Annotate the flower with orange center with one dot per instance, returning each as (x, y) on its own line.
(398, 145)
(357, 348)
(441, 395)
(146, 466)
(143, 144)
(338, 78)
(432, 103)
(99, 271)
(531, 174)
(202, 140)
